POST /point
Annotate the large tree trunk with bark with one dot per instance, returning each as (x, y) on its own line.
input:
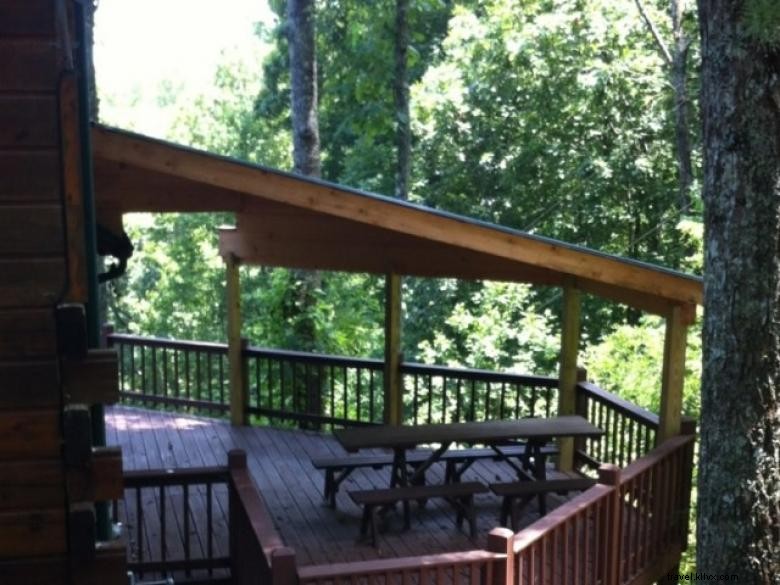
(306, 161)
(739, 483)
(682, 127)
(303, 82)
(403, 133)
(676, 60)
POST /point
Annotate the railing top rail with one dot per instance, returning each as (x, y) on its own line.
(321, 358)
(655, 456)
(330, 359)
(476, 374)
(627, 408)
(559, 516)
(178, 476)
(313, 572)
(203, 346)
(256, 511)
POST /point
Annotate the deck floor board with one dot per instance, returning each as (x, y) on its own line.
(280, 463)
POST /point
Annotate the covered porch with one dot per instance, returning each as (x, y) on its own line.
(178, 429)
(630, 527)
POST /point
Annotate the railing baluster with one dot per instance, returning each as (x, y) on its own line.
(176, 373)
(332, 384)
(473, 405)
(132, 369)
(416, 399)
(271, 386)
(371, 395)
(154, 372)
(121, 360)
(198, 379)
(209, 527)
(345, 393)
(458, 399)
(186, 506)
(444, 399)
(209, 375)
(256, 368)
(162, 526)
(430, 398)
(187, 374)
(221, 380)
(359, 393)
(139, 518)
(487, 405)
(143, 373)
(165, 371)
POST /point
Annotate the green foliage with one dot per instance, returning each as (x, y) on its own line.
(175, 280)
(761, 19)
(628, 361)
(552, 116)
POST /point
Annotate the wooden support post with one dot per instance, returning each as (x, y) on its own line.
(580, 409)
(673, 374)
(238, 394)
(284, 570)
(393, 383)
(567, 377)
(501, 540)
(611, 528)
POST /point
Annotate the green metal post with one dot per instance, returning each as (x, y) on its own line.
(93, 305)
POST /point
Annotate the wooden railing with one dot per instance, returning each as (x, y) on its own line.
(319, 389)
(169, 536)
(630, 431)
(313, 388)
(183, 374)
(629, 528)
(316, 389)
(654, 494)
(161, 510)
(436, 394)
(486, 567)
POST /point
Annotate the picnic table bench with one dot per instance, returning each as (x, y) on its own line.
(459, 495)
(337, 469)
(516, 494)
(494, 434)
(457, 461)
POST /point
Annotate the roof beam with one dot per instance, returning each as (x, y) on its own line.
(358, 208)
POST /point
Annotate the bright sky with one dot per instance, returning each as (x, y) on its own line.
(140, 44)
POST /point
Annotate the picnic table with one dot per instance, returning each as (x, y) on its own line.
(536, 432)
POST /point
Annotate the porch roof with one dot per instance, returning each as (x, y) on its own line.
(298, 222)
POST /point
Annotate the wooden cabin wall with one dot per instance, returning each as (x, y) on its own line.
(50, 475)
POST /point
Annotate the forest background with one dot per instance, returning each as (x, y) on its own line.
(555, 117)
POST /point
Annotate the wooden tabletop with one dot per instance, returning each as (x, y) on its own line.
(486, 432)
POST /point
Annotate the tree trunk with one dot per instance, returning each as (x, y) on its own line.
(679, 73)
(306, 161)
(393, 286)
(303, 81)
(403, 136)
(677, 62)
(738, 509)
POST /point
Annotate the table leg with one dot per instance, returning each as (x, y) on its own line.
(539, 471)
(419, 472)
(399, 474)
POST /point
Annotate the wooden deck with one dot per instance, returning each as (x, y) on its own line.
(280, 464)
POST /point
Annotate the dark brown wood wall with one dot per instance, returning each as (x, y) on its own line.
(49, 471)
